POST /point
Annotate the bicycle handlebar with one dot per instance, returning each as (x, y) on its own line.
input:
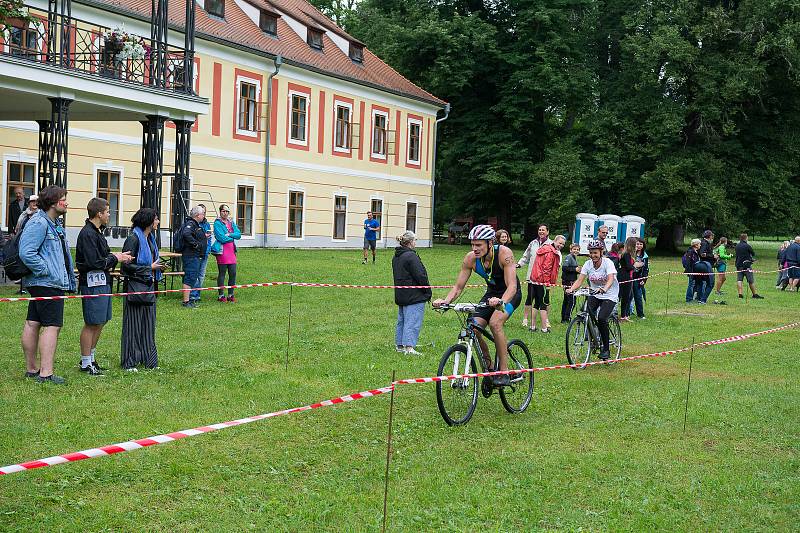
(586, 291)
(463, 307)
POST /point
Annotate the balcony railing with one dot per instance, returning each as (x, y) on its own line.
(78, 45)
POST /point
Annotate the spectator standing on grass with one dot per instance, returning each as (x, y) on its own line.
(545, 274)
(16, 208)
(226, 233)
(745, 257)
(640, 275)
(792, 259)
(625, 274)
(94, 261)
(721, 255)
(706, 265)
(569, 273)
(783, 275)
(195, 295)
(371, 227)
(407, 269)
(689, 260)
(33, 206)
(139, 315)
(614, 254)
(194, 246)
(44, 249)
(527, 259)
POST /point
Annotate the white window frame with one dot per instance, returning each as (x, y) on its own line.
(237, 97)
(409, 123)
(245, 183)
(110, 166)
(416, 215)
(349, 107)
(18, 157)
(292, 140)
(289, 192)
(375, 113)
(346, 213)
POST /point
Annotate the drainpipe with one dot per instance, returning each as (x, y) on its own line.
(433, 172)
(278, 63)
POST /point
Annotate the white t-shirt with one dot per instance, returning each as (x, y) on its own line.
(598, 277)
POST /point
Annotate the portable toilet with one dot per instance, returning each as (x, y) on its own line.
(584, 230)
(613, 223)
(634, 226)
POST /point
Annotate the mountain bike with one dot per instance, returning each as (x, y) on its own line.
(583, 334)
(458, 397)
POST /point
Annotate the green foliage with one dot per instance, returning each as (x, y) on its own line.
(13, 9)
(684, 112)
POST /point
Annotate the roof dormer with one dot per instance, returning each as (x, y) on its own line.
(215, 8)
(314, 38)
(356, 52)
(268, 22)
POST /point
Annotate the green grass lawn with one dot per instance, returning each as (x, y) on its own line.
(602, 448)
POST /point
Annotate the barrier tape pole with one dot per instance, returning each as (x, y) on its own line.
(388, 454)
(288, 331)
(688, 385)
(177, 435)
(666, 300)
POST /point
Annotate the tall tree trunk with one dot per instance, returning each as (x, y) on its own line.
(670, 237)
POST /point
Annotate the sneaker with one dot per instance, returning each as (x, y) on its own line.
(642, 317)
(411, 351)
(32, 374)
(605, 355)
(501, 380)
(546, 330)
(364, 262)
(188, 304)
(740, 296)
(55, 380)
(91, 370)
(757, 297)
(778, 287)
(533, 328)
(98, 367)
(231, 300)
(222, 299)
(524, 322)
(400, 348)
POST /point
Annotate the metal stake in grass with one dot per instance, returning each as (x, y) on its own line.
(288, 330)
(689, 384)
(388, 454)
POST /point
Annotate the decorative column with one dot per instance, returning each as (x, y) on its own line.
(152, 161)
(188, 47)
(43, 172)
(59, 38)
(53, 144)
(180, 180)
(158, 43)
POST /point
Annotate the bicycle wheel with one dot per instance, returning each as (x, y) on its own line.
(579, 341)
(517, 396)
(456, 398)
(614, 337)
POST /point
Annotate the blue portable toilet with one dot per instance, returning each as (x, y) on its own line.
(633, 226)
(613, 223)
(584, 230)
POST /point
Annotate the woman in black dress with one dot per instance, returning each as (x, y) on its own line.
(141, 274)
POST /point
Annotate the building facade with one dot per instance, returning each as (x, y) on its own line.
(287, 119)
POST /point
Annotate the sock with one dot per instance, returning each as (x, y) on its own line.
(86, 360)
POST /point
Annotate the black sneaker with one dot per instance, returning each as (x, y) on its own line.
(92, 370)
(757, 297)
(32, 374)
(97, 367)
(740, 296)
(55, 380)
(605, 355)
(501, 380)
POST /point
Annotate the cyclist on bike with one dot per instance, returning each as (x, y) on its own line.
(495, 264)
(602, 279)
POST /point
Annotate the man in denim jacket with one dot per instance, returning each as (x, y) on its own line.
(44, 249)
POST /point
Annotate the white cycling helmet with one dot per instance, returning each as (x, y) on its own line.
(481, 232)
(596, 245)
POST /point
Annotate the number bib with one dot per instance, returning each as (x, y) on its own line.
(96, 278)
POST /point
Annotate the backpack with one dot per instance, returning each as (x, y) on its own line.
(688, 261)
(545, 265)
(13, 265)
(177, 240)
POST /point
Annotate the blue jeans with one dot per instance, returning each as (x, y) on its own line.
(191, 272)
(409, 324)
(638, 298)
(705, 284)
(201, 276)
(690, 288)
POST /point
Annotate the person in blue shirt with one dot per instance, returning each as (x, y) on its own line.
(371, 226)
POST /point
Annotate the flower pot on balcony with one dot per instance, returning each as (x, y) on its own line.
(111, 64)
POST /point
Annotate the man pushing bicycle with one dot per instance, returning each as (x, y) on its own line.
(495, 264)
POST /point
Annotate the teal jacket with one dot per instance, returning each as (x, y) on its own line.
(221, 236)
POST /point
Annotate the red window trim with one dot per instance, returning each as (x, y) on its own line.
(409, 118)
(397, 140)
(384, 110)
(321, 125)
(273, 114)
(293, 87)
(260, 79)
(344, 100)
(216, 99)
(427, 145)
(361, 110)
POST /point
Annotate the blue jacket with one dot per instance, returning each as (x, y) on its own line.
(206, 227)
(221, 235)
(41, 250)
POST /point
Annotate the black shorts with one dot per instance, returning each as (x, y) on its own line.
(511, 306)
(740, 276)
(539, 296)
(46, 312)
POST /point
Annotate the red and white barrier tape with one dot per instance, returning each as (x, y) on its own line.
(177, 435)
(726, 340)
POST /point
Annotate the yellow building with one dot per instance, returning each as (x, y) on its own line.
(113, 116)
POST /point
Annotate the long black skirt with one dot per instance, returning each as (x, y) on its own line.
(138, 336)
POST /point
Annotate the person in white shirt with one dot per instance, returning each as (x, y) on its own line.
(602, 277)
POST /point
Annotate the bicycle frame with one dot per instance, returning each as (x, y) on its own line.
(469, 338)
(591, 320)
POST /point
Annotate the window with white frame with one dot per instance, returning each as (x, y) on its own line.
(244, 208)
(295, 229)
(339, 217)
(20, 175)
(411, 216)
(344, 113)
(414, 140)
(247, 106)
(298, 124)
(380, 121)
(108, 188)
